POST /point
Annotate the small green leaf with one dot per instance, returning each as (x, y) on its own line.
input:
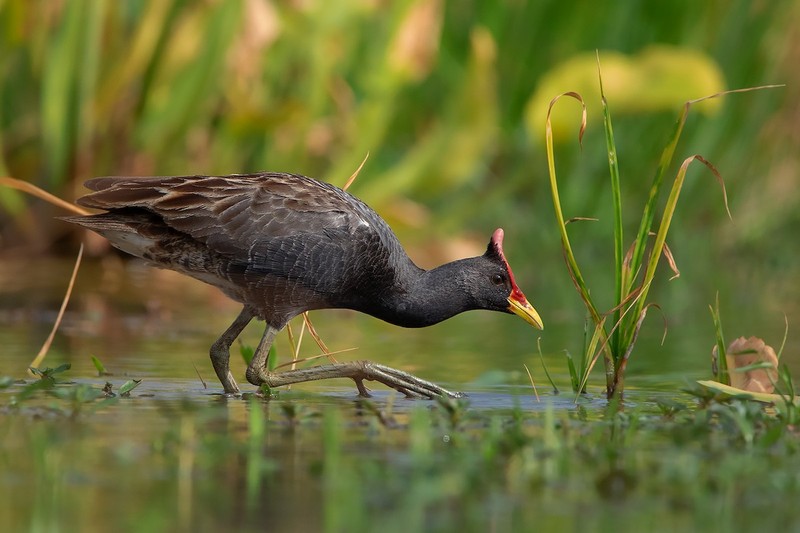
(101, 370)
(128, 386)
(267, 392)
(60, 369)
(573, 372)
(247, 352)
(669, 407)
(48, 372)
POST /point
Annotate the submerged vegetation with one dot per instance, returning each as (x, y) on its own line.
(85, 462)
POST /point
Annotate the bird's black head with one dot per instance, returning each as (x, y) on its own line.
(483, 282)
(497, 289)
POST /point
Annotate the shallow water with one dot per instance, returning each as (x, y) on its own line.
(150, 323)
(157, 459)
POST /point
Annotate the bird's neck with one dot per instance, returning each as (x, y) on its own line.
(425, 297)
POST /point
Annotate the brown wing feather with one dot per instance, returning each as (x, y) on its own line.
(231, 214)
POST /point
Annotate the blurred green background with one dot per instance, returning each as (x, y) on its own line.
(436, 92)
(447, 98)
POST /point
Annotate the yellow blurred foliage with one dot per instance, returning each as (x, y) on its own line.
(655, 79)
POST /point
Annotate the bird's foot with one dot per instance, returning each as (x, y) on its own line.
(363, 390)
(359, 371)
(230, 385)
(402, 381)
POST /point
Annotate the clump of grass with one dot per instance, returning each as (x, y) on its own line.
(48, 377)
(615, 331)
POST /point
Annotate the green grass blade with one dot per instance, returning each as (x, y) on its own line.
(246, 352)
(785, 336)
(613, 167)
(721, 370)
(650, 207)
(592, 354)
(272, 358)
(544, 366)
(574, 378)
(101, 369)
(666, 220)
(663, 165)
(569, 256)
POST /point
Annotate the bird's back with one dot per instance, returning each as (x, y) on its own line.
(279, 243)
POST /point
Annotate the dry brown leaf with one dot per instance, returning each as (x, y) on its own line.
(671, 260)
(747, 352)
(33, 190)
(37, 361)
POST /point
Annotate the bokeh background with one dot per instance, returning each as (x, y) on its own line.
(447, 98)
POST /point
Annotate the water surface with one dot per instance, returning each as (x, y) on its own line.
(178, 454)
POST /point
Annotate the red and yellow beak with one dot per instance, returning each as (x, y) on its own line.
(519, 305)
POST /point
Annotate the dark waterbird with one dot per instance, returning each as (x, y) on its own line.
(282, 244)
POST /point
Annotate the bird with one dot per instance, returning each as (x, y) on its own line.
(281, 244)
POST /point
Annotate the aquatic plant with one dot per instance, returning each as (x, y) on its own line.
(615, 331)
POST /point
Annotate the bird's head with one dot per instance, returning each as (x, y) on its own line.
(502, 277)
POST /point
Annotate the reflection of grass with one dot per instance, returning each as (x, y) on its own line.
(323, 463)
(635, 269)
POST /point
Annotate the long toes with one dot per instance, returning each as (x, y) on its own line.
(432, 390)
(230, 385)
(400, 382)
(409, 384)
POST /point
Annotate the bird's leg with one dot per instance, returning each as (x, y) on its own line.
(260, 364)
(258, 374)
(221, 351)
